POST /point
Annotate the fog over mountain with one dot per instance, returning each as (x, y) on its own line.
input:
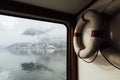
(18, 30)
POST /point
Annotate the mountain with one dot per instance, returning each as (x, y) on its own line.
(36, 45)
(33, 31)
(38, 48)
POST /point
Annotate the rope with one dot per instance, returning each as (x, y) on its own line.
(111, 62)
(92, 59)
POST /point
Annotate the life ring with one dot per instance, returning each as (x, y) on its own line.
(94, 20)
(111, 48)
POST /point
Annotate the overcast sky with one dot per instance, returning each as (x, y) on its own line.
(12, 28)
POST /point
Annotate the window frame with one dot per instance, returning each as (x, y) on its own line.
(12, 8)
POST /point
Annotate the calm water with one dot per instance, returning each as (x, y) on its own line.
(32, 49)
(29, 64)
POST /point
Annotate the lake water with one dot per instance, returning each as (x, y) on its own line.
(32, 49)
(28, 64)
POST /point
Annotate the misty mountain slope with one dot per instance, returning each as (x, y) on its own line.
(33, 31)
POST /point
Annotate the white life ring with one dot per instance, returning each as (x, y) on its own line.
(94, 20)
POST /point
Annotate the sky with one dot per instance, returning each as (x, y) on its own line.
(12, 28)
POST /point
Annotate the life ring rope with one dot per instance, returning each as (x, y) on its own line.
(86, 60)
(92, 59)
(110, 62)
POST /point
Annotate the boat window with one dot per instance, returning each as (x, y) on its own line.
(32, 49)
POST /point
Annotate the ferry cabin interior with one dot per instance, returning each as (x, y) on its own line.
(98, 21)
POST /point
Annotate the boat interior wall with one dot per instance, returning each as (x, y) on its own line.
(107, 7)
(68, 6)
(75, 7)
(101, 5)
(100, 68)
(112, 8)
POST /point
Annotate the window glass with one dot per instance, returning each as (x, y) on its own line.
(32, 49)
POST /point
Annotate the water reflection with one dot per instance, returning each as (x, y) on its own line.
(31, 64)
